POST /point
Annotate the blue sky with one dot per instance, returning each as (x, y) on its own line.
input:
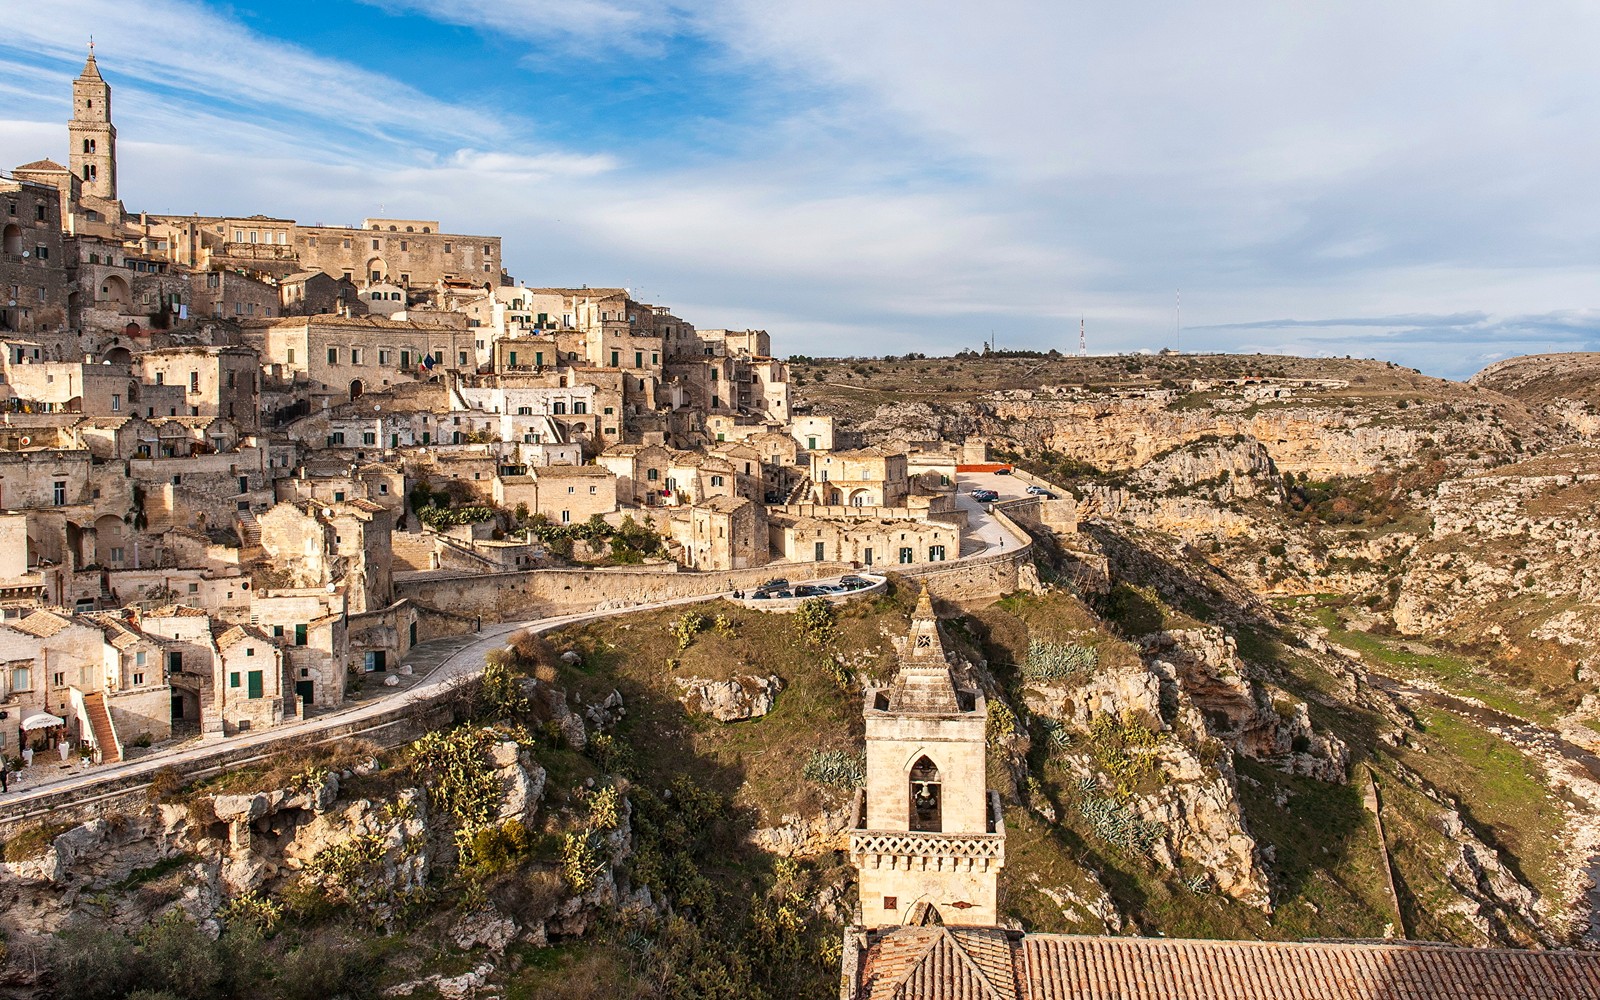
(1411, 182)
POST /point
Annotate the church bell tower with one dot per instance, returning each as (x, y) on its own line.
(929, 840)
(93, 137)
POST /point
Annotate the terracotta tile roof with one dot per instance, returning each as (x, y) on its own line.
(942, 963)
(43, 165)
(937, 963)
(1082, 968)
(177, 611)
(42, 624)
(232, 635)
(724, 504)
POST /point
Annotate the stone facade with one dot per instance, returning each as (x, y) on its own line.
(929, 840)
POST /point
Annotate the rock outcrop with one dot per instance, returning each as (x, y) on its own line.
(744, 696)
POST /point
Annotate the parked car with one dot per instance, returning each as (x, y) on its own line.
(776, 583)
(1040, 491)
(810, 590)
(853, 582)
(985, 496)
(1003, 471)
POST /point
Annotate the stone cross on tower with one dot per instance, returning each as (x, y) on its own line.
(929, 841)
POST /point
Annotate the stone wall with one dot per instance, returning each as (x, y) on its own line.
(535, 593)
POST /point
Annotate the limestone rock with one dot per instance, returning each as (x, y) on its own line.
(745, 696)
(484, 927)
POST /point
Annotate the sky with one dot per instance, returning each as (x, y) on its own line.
(1412, 182)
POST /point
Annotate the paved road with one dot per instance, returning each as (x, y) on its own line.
(984, 531)
(439, 662)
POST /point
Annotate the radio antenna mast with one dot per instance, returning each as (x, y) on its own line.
(1083, 345)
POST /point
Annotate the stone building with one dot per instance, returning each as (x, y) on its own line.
(722, 533)
(343, 357)
(869, 477)
(929, 837)
(867, 542)
(217, 381)
(35, 291)
(249, 680)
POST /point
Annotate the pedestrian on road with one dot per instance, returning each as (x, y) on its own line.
(5, 777)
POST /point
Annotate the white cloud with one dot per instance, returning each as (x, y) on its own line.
(923, 172)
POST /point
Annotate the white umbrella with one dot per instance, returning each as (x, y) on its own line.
(42, 720)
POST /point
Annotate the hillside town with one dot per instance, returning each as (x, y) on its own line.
(227, 442)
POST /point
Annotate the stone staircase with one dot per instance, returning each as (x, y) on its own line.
(249, 529)
(105, 734)
(801, 493)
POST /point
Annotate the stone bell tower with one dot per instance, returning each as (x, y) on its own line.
(93, 153)
(929, 841)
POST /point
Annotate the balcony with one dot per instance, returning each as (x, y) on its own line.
(923, 851)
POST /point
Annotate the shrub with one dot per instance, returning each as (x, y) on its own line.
(838, 768)
(686, 626)
(1051, 661)
(815, 620)
(580, 862)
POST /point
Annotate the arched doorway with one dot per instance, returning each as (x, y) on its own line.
(13, 238)
(861, 498)
(114, 291)
(376, 269)
(355, 389)
(119, 356)
(926, 800)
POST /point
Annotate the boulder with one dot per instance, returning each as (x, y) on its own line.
(744, 696)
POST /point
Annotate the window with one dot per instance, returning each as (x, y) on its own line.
(59, 492)
(355, 355)
(580, 407)
(447, 248)
(936, 553)
(638, 359)
(652, 474)
(385, 357)
(116, 554)
(369, 437)
(290, 358)
(905, 554)
(338, 496)
(300, 635)
(333, 355)
(277, 631)
(716, 480)
(194, 381)
(194, 588)
(558, 407)
(138, 680)
(374, 244)
(337, 437)
(233, 679)
(594, 490)
(566, 517)
(116, 403)
(614, 356)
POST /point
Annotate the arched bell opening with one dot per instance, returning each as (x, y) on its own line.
(926, 797)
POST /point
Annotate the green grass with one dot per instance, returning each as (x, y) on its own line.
(1458, 675)
(1503, 793)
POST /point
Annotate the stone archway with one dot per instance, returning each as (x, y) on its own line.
(926, 800)
(355, 389)
(114, 292)
(13, 238)
(377, 270)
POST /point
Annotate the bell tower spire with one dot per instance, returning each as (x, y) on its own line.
(929, 841)
(93, 150)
